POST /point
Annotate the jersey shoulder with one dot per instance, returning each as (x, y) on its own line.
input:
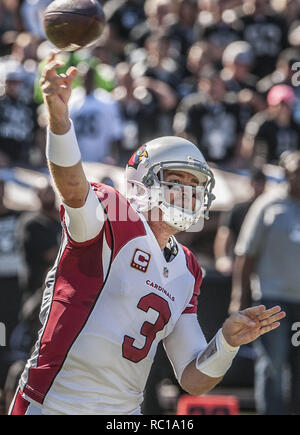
(191, 261)
(196, 271)
(123, 220)
(194, 268)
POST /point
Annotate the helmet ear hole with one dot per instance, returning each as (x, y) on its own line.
(148, 180)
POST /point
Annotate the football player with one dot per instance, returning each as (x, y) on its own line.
(121, 283)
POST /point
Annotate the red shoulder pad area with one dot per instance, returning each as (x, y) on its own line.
(124, 221)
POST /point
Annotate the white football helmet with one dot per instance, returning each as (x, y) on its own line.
(146, 187)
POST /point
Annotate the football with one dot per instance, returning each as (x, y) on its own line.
(73, 24)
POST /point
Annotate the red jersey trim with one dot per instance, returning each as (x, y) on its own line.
(78, 284)
(196, 271)
(20, 405)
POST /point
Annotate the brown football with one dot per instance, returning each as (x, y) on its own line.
(73, 24)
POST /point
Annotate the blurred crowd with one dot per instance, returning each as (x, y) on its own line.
(202, 69)
(224, 74)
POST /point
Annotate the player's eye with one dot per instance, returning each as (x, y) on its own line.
(173, 182)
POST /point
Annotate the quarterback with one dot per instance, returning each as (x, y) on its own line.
(121, 282)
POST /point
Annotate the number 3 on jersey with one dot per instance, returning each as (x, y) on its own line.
(149, 330)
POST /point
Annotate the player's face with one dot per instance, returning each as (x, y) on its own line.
(179, 195)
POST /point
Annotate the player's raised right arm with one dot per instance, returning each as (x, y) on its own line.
(84, 215)
(63, 154)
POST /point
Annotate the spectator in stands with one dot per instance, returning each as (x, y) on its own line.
(266, 32)
(217, 31)
(159, 14)
(293, 35)
(31, 12)
(23, 58)
(286, 73)
(17, 121)
(186, 29)
(211, 120)
(10, 294)
(230, 224)
(10, 24)
(92, 110)
(283, 72)
(268, 252)
(39, 238)
(159, 62)
(272, 132)
(291, 10)
(123, 17)
(102, 63)
(198, 57)
(145, 104)
(237, 60)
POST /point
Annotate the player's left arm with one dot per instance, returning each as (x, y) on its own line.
(199, 367)
(183, 346)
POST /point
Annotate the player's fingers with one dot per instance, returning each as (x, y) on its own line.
(269, 312)
(269, 328)
(53, 54)
(253, 312)
(272, 319)
(70, 74)
(50, 91)
(52, 66)
(72, 70)
(54, 89)
(58, 80)
(49, 72)
(61, 79)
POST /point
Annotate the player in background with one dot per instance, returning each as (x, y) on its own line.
(121, 283)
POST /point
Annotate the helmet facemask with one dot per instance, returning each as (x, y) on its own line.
(182, 205)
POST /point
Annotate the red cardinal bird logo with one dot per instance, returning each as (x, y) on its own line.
(137, 157)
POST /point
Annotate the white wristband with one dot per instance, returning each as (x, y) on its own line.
(63, 149)
(217, 358)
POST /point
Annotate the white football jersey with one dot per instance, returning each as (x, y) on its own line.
(107, 304)
(92, 114)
